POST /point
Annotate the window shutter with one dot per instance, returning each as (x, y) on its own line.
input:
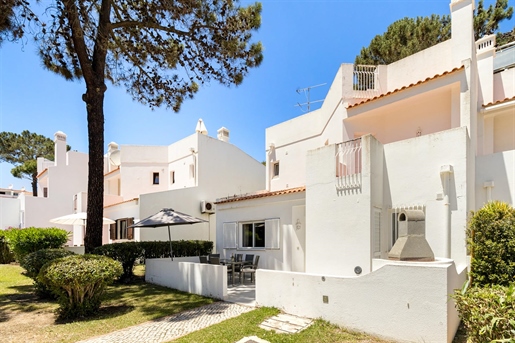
(112, 231)
(230, 234)
(272, 234)
(376, 234)
(130, 230)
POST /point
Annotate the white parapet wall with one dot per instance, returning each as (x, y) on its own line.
(407, 302)
(188, 275)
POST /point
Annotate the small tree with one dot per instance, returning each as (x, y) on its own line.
(22, 151)
(491, 235)
(79, 281)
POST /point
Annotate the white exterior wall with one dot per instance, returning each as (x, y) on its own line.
(290, 255)
(498, 168)
(202, 279)
(341, 221)
(124, 210)
(9, 212)
(419, 66)
(185, 200)
(401, 301)
(181, 155)
(504, 131)
(504, 84)
(138, 163)
(412, 177)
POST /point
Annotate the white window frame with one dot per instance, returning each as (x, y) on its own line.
(274, 166)
(230, 235)
(272, 234)
(154, 178)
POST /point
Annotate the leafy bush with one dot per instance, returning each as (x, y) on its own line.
(79, 281)
(126, 253)
(33, 263)
(491, 235)
(6, 255)
(488, 313)
(25, 241)
(160, 249)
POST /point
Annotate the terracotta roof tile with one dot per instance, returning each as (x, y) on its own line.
(121, 202)
(498, 102)
(406, 87)
(261, 194)
(41, 174)
(112, 172)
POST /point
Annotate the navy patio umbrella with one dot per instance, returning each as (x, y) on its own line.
(168, 217)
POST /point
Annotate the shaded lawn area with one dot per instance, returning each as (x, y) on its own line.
(247, 324)
(24, 317)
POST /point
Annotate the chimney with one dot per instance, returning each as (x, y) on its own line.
(112, 147)
(223, 134)
(59, 148)
(201, 128)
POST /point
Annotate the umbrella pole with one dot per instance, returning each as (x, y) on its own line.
(170, 239)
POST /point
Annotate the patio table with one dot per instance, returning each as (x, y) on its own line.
(233, 264)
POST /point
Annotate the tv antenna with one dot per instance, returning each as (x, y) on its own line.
(306, 92)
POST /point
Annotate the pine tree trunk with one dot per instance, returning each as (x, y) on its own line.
(95, 108)
(34, 184)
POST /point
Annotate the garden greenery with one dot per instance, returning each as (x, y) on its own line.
(6, 255)
(128, 253)
(491, 235)
(25, 241)
(33, 263)
(488, 312)
(79, 281)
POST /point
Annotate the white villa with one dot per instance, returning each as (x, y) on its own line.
(187, 176)
(433, 134)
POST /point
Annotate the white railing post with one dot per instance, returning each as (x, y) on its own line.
(348, 164)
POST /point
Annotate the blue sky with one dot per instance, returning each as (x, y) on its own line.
(304, 44)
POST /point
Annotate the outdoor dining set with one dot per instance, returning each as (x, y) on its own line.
(235, 265)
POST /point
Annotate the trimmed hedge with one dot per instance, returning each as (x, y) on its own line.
(6, 255)
(25, 241)
(129, 252)
(79, 281)
(161, 249)
(33, 263)
(491, 235)
(488, 313)
(126, 253)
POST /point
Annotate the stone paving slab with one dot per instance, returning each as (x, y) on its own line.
(252, 339)
(171, 327)
(286, 323)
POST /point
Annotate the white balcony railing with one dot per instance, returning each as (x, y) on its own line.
(366, 81)
(348, 165)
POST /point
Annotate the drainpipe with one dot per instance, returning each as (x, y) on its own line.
(488, 185)
(445, 174)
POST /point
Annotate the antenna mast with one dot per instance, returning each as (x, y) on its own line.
(306, 91)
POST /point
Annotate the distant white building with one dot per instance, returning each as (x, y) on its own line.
(433, 132)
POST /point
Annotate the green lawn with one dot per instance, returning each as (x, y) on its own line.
(23, 315)
(247, 324)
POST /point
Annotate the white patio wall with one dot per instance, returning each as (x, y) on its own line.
(290, 255)
(188, 275)
(412, 177)
(9, 212)
(402, 301)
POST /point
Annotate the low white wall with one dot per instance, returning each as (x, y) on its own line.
(76, 250)
(400, 301)
(188, 275)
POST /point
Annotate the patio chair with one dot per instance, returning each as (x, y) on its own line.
(214, 255)
(214, 260)
(250, 269)
(203, 259)
(249, 260)
(239, 257)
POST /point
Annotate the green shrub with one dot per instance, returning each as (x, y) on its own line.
(33, 263)
(161, 249)
(488, 313)
(491, 235)
(25, 241)
(6, 255)
(126, 253)
(79, 281)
